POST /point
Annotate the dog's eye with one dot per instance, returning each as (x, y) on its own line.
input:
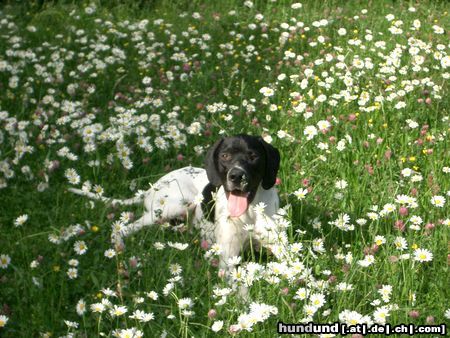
(252, 156)
(225, 156)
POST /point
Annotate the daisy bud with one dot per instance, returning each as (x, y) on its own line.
(284, 291)
(133, 262)
(204, 244)
(399, 225)
(403, 211)
(233, 329)
(387, 154)
(332, 279)
(428, 100)
(221, 273)
(186, 67)
(180, 157)
(429, 226)
(414, 314)
(278, 181)
(212, 313)
(369, 169)
(430, 320)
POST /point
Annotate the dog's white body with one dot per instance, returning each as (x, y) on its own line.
(179, 193)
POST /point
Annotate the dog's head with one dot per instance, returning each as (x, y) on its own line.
(240, 164)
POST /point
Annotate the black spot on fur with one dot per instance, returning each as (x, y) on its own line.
(208, 206)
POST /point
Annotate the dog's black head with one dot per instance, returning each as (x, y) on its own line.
(240, 163)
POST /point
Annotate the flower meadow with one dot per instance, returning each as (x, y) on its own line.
(108, 97)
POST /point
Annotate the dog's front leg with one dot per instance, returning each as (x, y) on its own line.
(146, 219)
(231, 249)
(230, 238)
(118, 235)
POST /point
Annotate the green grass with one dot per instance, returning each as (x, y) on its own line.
(69, 43)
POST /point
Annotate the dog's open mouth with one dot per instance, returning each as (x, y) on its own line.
(237, 202)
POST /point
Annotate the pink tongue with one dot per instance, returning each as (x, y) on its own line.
(237, 204)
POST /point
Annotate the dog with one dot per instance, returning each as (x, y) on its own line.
(234, 193)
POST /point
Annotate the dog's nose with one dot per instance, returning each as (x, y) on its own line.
(237, 175)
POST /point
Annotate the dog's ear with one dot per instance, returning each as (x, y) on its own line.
(272, 164)
(211, 164)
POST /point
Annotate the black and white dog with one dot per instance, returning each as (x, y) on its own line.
(239, 174)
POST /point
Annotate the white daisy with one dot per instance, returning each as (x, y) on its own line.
(20, 220)
(423, 255)
(217, 326)
(400, 243)
(300, 193)
(4, 261)
(80, 247)
(438, 201)
(81, 307)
